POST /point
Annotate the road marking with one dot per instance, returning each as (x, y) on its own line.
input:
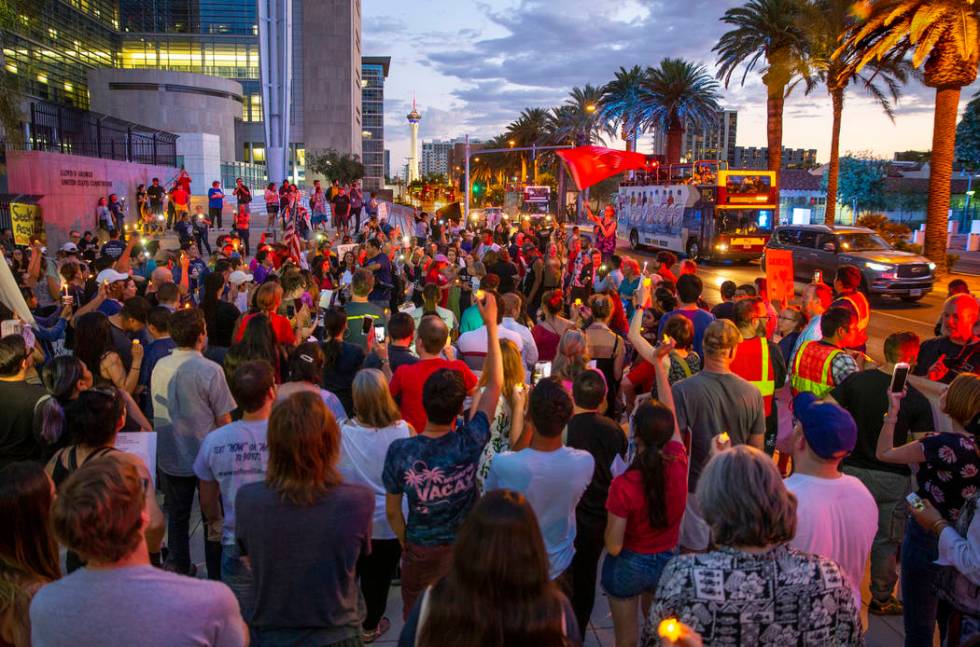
(888, 314)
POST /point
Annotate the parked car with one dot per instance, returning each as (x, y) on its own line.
(887, 272)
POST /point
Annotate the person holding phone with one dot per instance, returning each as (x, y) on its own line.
(361, 313)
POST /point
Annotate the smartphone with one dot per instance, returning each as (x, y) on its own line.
(379, 333)
(366, 325)
(542, 370)
(326, 298)
(899, 377)
(915, 501)
(290, 310)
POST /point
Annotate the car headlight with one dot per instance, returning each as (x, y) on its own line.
(879, 267)
(932, 267)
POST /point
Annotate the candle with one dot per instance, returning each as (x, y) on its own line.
(578, 302)
(647, 282)
(136, 342)
(480, 294)
(645, 266)
(65, 290)
(669, 629)
(724, 438)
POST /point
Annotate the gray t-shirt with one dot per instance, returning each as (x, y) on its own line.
(189, 392)
(135, 605)
(234, 455)
(708, 404)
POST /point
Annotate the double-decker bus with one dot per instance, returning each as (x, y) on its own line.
(703, 210)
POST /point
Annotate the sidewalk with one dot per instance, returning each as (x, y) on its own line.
(969, 263)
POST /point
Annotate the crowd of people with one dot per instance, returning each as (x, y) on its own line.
(505, 420)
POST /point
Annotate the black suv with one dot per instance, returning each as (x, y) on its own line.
(886, 271)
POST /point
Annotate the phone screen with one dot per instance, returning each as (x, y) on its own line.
(379, 333)
(900, 377)
(290, 310)
(366, 325)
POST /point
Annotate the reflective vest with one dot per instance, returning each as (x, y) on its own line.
(752, 363)
(860, 304)
(811, 368)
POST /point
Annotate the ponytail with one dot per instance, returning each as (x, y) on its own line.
(653, 425)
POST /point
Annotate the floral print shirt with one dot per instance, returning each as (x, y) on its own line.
(780, 598)
(948, 477)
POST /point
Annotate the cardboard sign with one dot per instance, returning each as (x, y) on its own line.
(343, 249)
(779, 276)
(142, 444)
(25, 219)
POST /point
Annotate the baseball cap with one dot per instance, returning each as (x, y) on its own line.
(70, 248)
(238, 277)
(830, 430)
(111, 276)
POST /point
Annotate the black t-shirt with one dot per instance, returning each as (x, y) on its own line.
(221, 323)
(155, 193)
(507, 273)
(958, 358)
(339, 378)
(724, 310)
(341, 205)
(865, 395)
(114, 248)
(604, 439)
(17, 441)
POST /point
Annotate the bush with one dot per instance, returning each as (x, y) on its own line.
(893, 232)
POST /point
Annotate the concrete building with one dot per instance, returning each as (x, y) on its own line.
(435, 157)
(387, 158)
(374, 71)
(752, 157)
(716, 142)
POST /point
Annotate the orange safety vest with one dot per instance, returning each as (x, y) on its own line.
(863, 309)
(811, 368)
(753, 363)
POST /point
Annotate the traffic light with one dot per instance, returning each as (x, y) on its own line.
(477, 188)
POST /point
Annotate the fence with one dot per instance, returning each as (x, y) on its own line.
(253, 175)
(72, 131)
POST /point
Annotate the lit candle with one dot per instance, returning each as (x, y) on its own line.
(669, 629)
(136, 342)
(724, 438)
(647, 282)
(644, 266)
(480, 294)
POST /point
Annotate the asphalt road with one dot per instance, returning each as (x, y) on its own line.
(887, 317)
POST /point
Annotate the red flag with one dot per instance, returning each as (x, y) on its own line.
(591, 164)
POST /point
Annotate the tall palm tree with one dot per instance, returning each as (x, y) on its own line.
(579, 121)
(769, 31)
(530, 128)
(625, 105)
(823, 21)
(943, 35)
(679, 92)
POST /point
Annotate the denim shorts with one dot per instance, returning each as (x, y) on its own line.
(629, 574)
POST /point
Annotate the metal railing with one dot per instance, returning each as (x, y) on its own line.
(72, 131)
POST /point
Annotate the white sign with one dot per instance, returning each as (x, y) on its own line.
(142, 444)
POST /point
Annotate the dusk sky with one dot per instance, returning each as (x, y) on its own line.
(473, 66)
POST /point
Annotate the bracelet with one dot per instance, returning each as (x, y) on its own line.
(939, 526)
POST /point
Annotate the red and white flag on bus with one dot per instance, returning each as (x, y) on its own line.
(591, 164)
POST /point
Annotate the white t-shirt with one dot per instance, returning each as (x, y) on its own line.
(837, 519)
(234, 455)
(472, 346)
(362, 461)
(553, 483)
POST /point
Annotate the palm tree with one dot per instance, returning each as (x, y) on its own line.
(579, 121)
(679, 92)
(823, 21)
(624, 103)
(942, 34)
(530, 128)
(769, 30)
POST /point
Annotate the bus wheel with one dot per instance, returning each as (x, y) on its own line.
(634, 240)
(693, 249)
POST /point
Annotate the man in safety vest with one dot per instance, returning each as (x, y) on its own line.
(758, 360)
(847, 282)
(819, 366)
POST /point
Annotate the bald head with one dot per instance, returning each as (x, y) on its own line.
(162, 275)
(432, 334)
(960, 314)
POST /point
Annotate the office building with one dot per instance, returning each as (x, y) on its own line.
(714, 142)
(52, 48)
(387, 175)
(374, 71)
(435, 157)
(757, 158)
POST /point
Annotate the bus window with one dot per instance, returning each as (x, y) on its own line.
(743, 221)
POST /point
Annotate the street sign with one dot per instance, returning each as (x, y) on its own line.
(779, 276)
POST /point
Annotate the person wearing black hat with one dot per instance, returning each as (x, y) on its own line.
(836, 516)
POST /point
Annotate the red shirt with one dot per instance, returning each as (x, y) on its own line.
(408, 380)
(666, 274)
(642, 376)
(181, 196)
(280, 327)
(628, 500)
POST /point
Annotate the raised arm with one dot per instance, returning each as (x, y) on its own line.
(494, 366)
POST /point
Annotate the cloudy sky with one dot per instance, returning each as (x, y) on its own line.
(474, 65)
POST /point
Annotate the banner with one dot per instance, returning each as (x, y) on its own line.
(591, 164)
(25, 220)
(779, 276)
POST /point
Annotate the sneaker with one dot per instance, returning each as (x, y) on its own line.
(380, 630)
(889, 607)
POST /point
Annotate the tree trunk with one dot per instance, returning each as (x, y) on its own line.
(774, 136)
(833, 171)
(675, 135)
(940, 174)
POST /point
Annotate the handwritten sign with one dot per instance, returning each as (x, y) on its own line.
(779, 275)
(142, 444)
(25, 219)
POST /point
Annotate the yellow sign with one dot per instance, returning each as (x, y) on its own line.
(26, 221)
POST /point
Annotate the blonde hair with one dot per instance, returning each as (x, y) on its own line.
(513, 369)
(372, 399)
(963, 398)
(304, 446)
(720, 337)
(572, 357)
(268, 297)
(744, 501)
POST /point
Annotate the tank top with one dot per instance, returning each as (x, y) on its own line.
(62, 471)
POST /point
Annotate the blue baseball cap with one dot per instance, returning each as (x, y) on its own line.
(830, 430)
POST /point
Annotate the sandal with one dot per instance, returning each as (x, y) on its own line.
(370, 636)
(889, 607)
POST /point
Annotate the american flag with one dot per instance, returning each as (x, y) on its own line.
(291, 235)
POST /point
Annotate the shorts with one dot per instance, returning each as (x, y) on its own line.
(318, 218)
(630, 574)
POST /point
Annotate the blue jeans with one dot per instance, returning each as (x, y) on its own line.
(630, 574)
(237, 574)
(919, 574)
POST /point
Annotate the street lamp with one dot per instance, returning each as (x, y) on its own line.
(590, 107)
(512, 143)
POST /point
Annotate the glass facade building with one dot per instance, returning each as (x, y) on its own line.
(374, 70)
